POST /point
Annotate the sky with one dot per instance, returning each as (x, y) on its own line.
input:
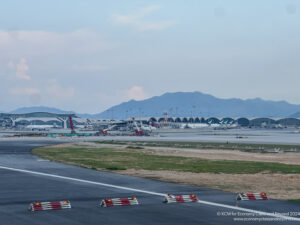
(88, 55)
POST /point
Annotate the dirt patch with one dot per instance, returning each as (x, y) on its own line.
(99, 145)
(277, 186)
(212, 154)
(66, 145)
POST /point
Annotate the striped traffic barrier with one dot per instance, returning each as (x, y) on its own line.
(40, 206)
(108, 202)
(180, 198)
(252, 196)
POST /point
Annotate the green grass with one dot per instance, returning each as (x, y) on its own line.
(121, 159)
(261, 148)
(295, 200)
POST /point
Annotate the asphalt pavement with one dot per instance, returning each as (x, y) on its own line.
(25, 178)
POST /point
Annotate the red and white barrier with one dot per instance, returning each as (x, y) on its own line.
(108, 202)
(252, 196)
(180, 198)
(40, 206)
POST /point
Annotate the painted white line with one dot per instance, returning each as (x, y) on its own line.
(151, 193)
(42, 160)
(80, 180)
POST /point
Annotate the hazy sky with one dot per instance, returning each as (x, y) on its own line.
(88, 55)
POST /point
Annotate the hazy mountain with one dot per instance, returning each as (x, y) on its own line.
(86, 115)
(295, 115)
(199, 104)
(39, 109)
(187, 104)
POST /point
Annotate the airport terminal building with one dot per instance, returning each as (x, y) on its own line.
(35, 118)
(62, 120)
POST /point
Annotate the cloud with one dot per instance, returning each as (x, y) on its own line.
(136, 93)
(137, 21)
(58, 92)
(89, 68)
(22, 69)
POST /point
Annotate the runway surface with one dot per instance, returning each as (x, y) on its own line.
(26, 178)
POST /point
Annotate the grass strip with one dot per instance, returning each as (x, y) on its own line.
(125, 158)
(294, 200)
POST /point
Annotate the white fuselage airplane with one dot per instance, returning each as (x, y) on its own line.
(39, 127)
(148, 128)
(194, 125)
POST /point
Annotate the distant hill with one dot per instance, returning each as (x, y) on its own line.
(187, 104)
(295, 115)
(86, 115)
(199, 104)
(39, 109)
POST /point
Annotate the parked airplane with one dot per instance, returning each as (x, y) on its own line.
(194, 125)
(39, 127)
(148, 128)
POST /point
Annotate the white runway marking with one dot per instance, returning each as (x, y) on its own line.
(80, 180)
(151, 193)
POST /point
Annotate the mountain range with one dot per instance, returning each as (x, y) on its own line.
(199, 104)
(188, 104)
(295, 115)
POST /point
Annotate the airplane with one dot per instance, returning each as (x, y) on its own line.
(148, 128)
(145, 127)
(39, 127)
(194, 125)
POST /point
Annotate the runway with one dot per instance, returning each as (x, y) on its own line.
(26, 178)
